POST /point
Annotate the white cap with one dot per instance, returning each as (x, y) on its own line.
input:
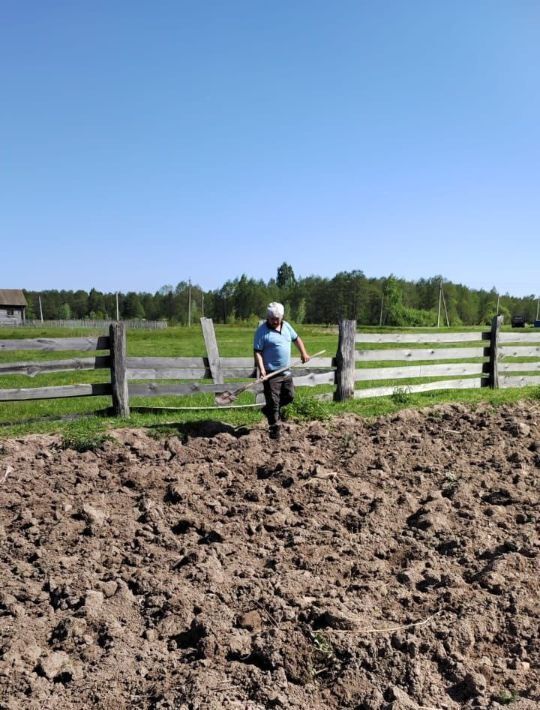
(275, 310)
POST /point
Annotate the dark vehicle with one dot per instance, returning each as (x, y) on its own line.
(518, 322)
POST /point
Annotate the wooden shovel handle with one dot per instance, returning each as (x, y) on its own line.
(288, 367)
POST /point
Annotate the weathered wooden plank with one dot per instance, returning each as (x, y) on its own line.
(210, 341)
(519, 366)
(533, 337)
(155, 363)
(56, 392)
(36, 368)
(238, 362)
(345, 361)
(229, 364)
(473, 383)
(119, 380)
(161, 388)
(167, 374)
(421, 354)
(493, 363)
(391, 373)
(199, 374)
(422, 337)
(312, 380)
(507, 382)
(519, 351)
(57, 344)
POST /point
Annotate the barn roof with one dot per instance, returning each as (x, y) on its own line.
(12, 297)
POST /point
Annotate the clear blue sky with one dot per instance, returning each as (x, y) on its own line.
(145, 143)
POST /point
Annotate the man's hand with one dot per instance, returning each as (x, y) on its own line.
(305, 358)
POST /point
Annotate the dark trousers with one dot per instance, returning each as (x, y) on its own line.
(278, 392)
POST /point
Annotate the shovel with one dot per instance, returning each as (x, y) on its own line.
(228, 396)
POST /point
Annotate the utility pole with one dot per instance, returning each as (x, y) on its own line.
(498, 302)
(537, 308)
(440, 299)
(189, 303)
(117, 308)
(40, 309)
(445, 309)
(202, 304)
(382, 305)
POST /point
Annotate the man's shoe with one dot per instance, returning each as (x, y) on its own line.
(275, 432)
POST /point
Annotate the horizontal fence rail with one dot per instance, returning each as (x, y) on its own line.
(365, 365)
(85, 323)
(56, 344)
(55, 392)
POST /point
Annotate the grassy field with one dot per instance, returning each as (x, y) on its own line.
(85, 415)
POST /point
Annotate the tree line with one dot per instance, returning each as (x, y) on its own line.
(387, 301)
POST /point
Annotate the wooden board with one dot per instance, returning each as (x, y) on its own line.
(57, 344)
(524, 381)
(519, 351)
(16, 395)
(36, 368)
(312, 380)
(472, 383)
(421, 337)
(390, 373)
(533, 337)
(154, 389)
(421, 354)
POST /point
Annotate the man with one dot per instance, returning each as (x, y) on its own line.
(272, 347)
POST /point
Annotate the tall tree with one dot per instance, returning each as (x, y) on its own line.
(285, 276)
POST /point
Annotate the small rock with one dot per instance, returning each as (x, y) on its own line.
(93, 602)
(93, 516)
(110, 588)
(55, 664)
(402, 700)
(251, 621)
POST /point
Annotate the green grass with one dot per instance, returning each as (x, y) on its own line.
(82, 416)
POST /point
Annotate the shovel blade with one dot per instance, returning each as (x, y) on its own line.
(225, 398)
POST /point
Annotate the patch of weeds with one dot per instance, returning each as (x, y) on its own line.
(84, 437)
(507, 697)
(451, 482)
(401, 395)
(348, 444)
(305, 409)
(324, 658)
(535, 394)
(162, 431)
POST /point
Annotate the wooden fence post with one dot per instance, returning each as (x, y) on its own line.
(345, 361)
(496, 324)
(120, 395)
(209, 335)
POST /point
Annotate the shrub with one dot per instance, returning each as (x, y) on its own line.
(83, 437)
(306, 408)
(401, 395)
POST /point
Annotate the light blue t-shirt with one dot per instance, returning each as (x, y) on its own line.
(274, 346)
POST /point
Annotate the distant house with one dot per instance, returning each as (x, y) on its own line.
(12, 306)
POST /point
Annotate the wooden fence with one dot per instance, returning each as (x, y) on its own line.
(481, 359)
(450, 361)
(129, 375)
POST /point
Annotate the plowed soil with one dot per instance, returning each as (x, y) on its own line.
(379, 564)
